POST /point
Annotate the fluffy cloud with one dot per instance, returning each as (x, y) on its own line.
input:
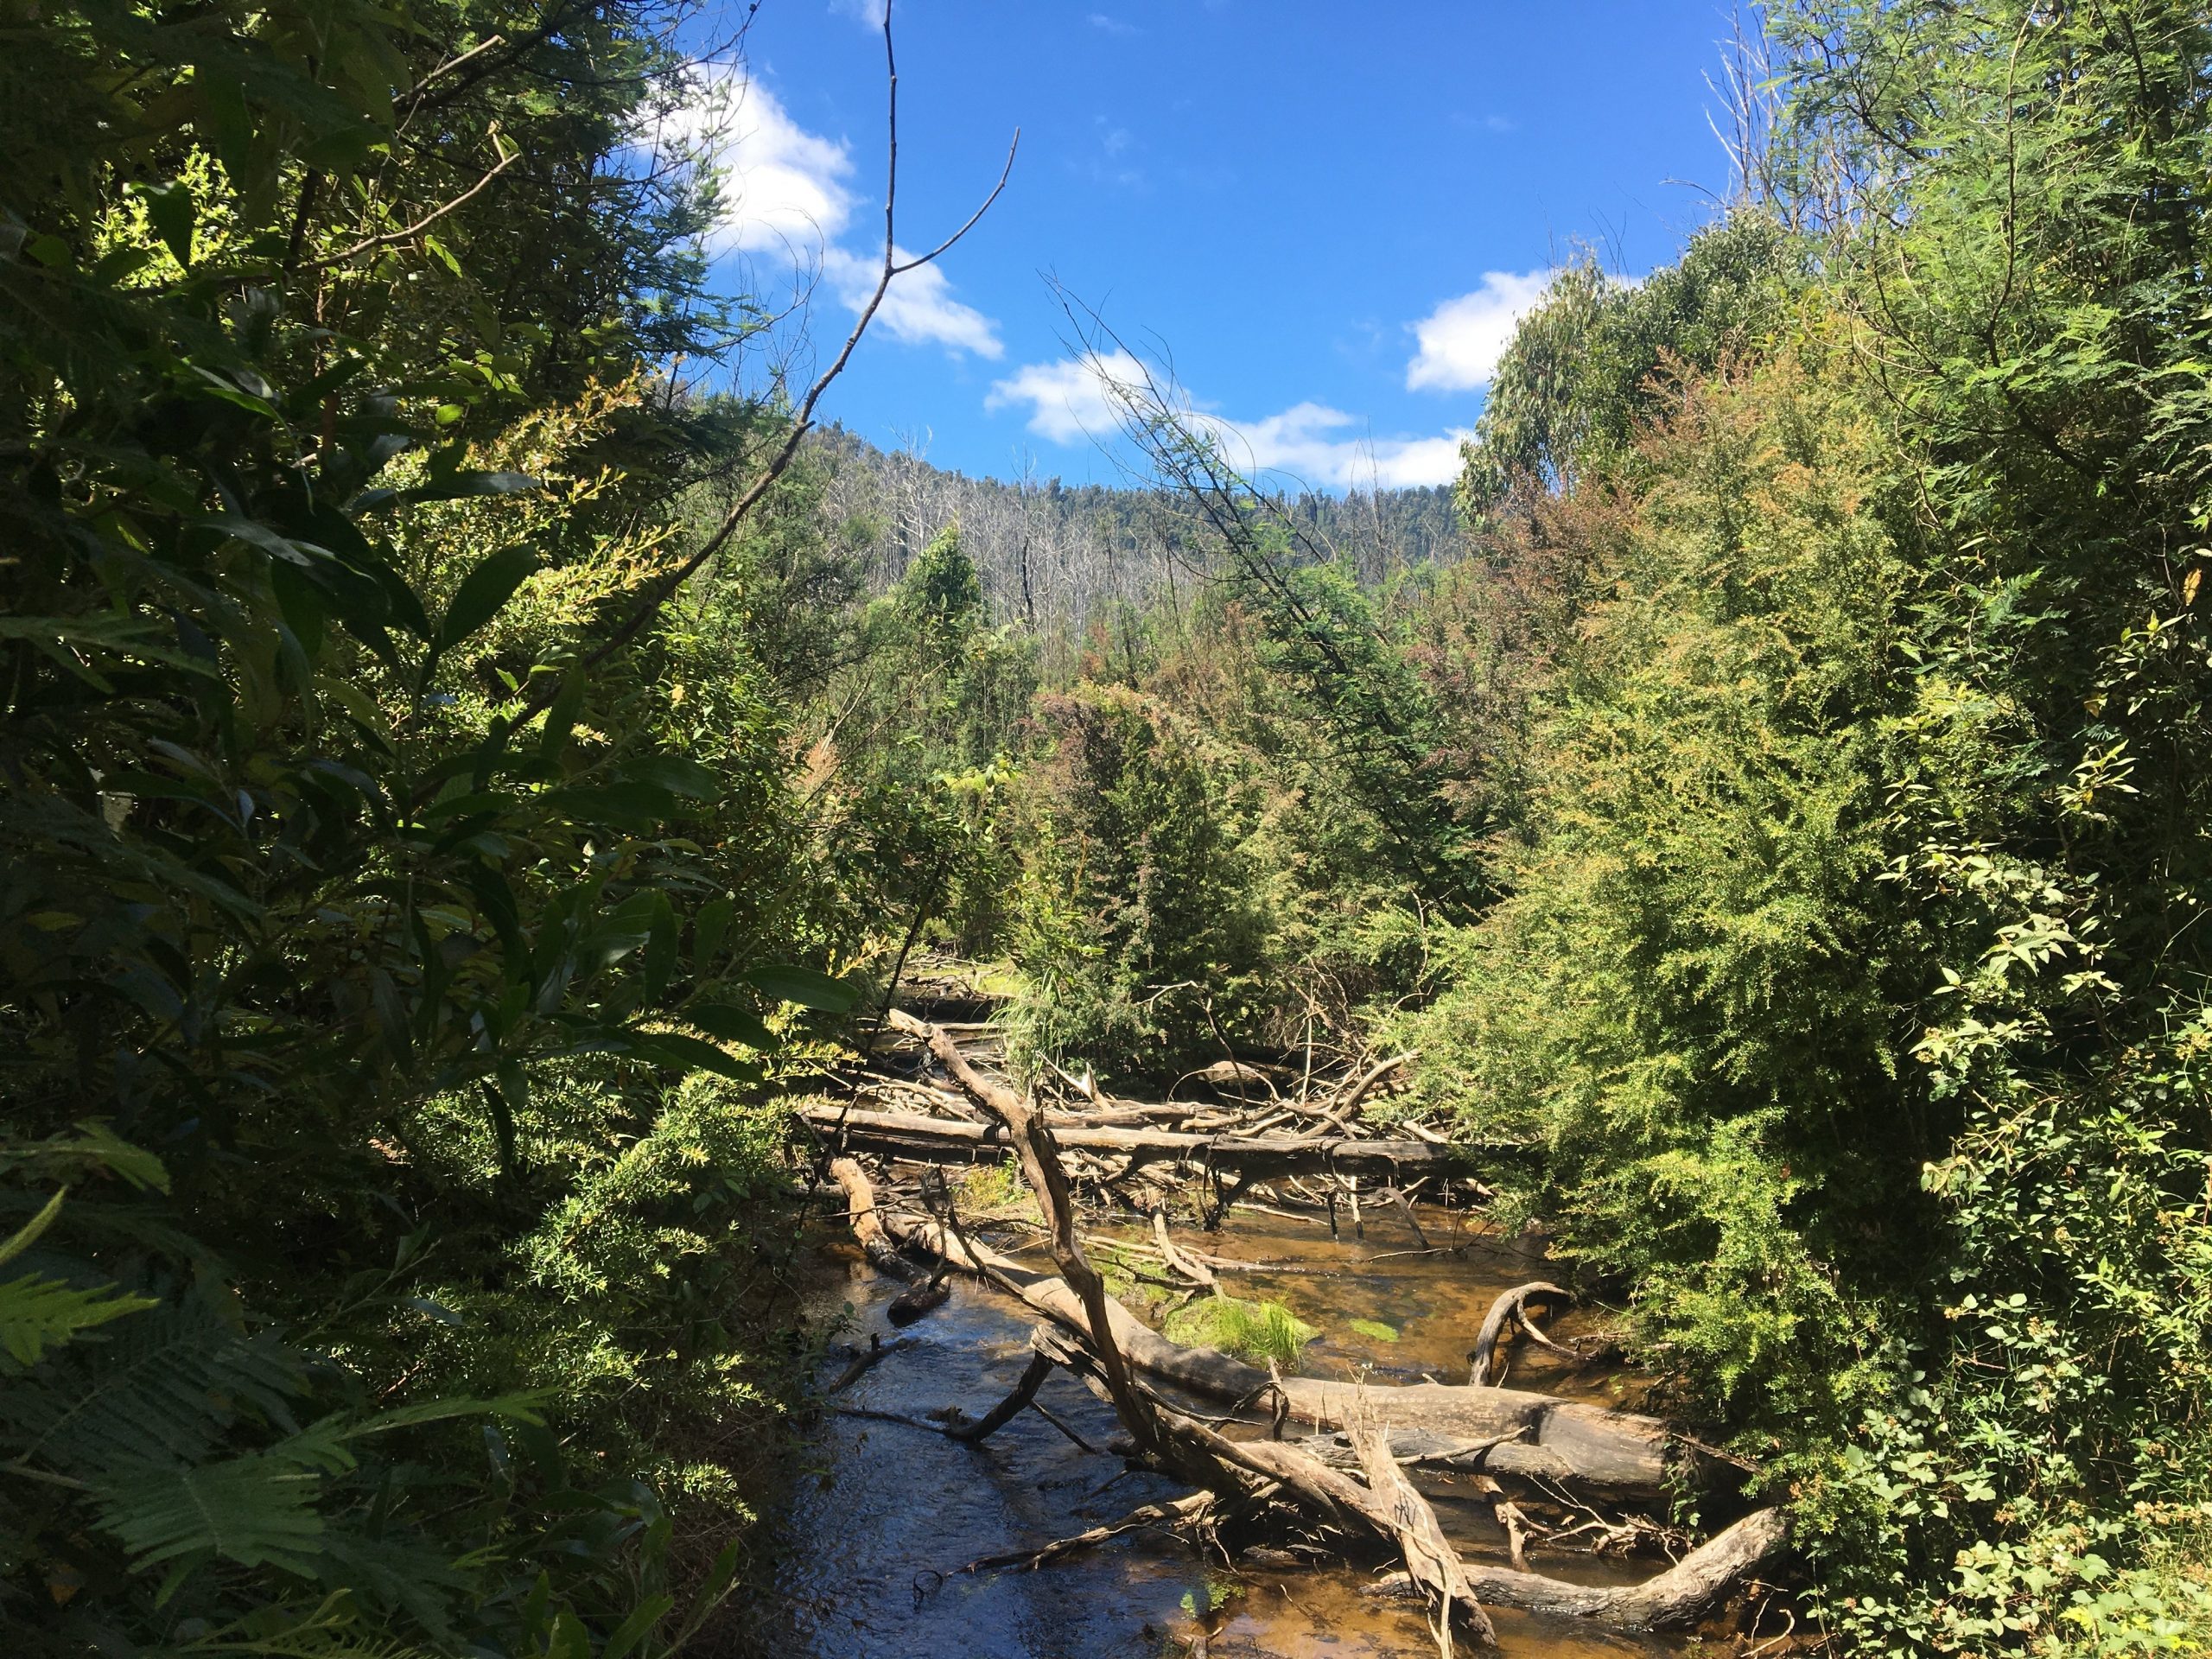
(918, 307)
(787, 191)
(1072, 401)
(783, 186)
(1308, 442)
(1311, 442)
(1462, 339)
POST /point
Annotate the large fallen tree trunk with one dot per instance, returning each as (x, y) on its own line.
(913, 1134)
(1621, 1457)
(1676, 1599)
(1390, 1508)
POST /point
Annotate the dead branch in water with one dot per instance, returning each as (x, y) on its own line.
(1510, 1307)
(1176, 1515)
(1258, 1471)
(1430, 1559)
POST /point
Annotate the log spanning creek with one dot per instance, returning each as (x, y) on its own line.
(1028, 1448)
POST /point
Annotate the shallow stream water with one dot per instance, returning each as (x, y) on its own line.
(876, 1535)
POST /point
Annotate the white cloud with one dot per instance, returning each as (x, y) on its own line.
(918, 307)
(1307, 441)
(1071, 402)
(783, 186)
(786, 190)
(1462, 339)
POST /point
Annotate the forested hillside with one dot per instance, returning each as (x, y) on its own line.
(471, 778)
(1060, 558)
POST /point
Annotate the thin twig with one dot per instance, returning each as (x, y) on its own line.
(370, 244)
(658, 594)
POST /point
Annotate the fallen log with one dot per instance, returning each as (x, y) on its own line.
(866, 1222)
(1430, 1560)
(1170, 1438)
(909, 1134)
(1673, 1600)
(1510, 1305)
(1620, 1457)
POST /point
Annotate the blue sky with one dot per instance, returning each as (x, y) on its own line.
(1325, 215)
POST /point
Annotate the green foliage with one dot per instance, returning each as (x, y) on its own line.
(1136, 931)
(1253, 1331)
(1678, 1000)
(1596, 360)
(1849, 995)
(354, 903)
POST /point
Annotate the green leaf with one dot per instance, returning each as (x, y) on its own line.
(37, 1313)
(561, 718)
(707, 931)
(732, 1025)
(634, 1629)
(660, 947)
(677, 774)
(28, 1234)
(804, 986)
(629, 807)
(301, 604)
(483, 590)
(691, 1054)
(138, 1166)
(513, 1408)
(169, 207)
(712, 1592)
(444, 254)
(569, 1639)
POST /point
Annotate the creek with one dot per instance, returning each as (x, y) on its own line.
(888, 1514)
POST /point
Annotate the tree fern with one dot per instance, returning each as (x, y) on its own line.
(169, 1385)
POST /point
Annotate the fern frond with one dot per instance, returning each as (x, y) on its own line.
(27, 1234)
(37, 1313)
(333, 1630)
(167, 1388)
(256, 1511)
(521, 1408)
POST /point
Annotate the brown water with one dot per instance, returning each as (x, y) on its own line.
(877, 1534)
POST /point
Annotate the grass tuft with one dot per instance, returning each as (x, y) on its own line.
(1253, 1330)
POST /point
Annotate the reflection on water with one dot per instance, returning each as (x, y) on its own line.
(875, 1538)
